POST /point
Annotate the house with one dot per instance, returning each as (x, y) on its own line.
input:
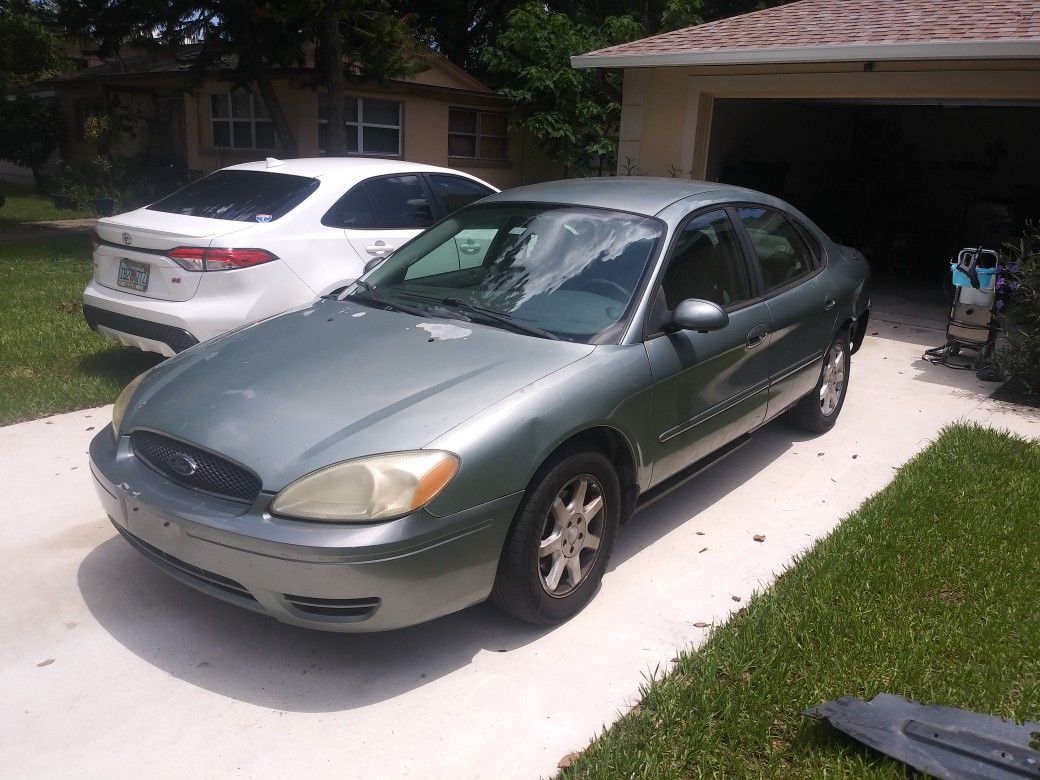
(168, 111)
(908, 128)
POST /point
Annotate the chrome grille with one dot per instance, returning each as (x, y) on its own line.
(207, 472)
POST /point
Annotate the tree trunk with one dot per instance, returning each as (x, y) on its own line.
(274, 108)
(330, 47)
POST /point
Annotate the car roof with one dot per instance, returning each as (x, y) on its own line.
(330, 167)
(638, 194)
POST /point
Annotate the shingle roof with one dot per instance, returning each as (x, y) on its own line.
(818, 25)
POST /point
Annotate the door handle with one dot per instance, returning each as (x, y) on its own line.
(756, 336)
(379, 248)
(830, 301)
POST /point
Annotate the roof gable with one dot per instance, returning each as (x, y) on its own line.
(812, 30)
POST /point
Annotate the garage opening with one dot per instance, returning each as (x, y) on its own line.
(907, 183)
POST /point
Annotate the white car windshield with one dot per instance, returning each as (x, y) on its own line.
(564, 272)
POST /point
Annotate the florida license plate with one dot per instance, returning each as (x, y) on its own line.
(133, 276)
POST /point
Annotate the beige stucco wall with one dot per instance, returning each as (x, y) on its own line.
(666, 111)
(426, 100)
(424, 132)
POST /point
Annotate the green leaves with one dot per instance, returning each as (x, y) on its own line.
(29, 131)
(567, 110)
(29, 47)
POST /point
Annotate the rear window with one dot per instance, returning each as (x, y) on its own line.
(239, 196)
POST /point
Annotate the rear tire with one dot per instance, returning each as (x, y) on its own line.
(819, 410)
(560, 544)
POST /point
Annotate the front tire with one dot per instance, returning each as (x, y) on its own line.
(819, 410)
(560, 544)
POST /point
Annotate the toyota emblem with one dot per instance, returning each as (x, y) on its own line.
(128, 239)
(183, 465)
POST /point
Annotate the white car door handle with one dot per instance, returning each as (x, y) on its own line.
(379, 248)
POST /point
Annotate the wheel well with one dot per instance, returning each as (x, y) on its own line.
(615, 446)
(857, 328)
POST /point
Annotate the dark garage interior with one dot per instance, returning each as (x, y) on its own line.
(908, 183)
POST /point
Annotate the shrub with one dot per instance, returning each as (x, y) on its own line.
(29, 131)
(130, 181)
(1018, 300)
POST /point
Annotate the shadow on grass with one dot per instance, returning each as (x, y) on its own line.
(119, 364)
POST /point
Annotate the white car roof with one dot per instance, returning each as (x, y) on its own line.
(341, 167)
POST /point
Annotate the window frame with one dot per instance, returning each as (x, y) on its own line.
(478, 135)
(230, 121)
(361, 124)
(817, 266)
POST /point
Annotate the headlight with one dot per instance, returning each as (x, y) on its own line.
(380, 487)
(119, 408)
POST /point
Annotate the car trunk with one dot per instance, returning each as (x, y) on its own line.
(131, 257)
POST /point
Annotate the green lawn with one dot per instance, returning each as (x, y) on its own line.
(23, 204)
(928, 591)
(50, 361)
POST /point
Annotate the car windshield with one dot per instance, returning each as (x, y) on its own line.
(558, 271)
(240, 196)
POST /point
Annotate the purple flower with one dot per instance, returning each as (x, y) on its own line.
(1013, 268)
(1000, 281)
(1000, 305)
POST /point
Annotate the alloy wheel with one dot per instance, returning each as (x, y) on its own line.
(833, 384)
(571, 535)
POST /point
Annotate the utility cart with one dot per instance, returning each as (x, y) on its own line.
(972, 323)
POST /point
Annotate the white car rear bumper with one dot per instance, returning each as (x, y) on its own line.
(220, 305)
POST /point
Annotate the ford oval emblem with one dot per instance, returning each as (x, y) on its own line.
(128, 239)
(183, 465)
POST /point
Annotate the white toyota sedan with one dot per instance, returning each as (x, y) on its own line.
(253, 240)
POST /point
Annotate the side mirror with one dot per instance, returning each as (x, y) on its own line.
(374, 262)
(698, 315)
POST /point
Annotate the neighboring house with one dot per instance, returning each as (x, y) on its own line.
(441, 116)
(907, 127)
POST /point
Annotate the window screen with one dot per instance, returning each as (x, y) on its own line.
(240, 196)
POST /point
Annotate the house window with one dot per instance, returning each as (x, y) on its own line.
(241, 121)
(476, 134)
(373, 126)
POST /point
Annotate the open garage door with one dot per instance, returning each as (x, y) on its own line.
(908, 183)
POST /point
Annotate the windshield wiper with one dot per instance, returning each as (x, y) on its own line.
(378, 296)
(488, 315)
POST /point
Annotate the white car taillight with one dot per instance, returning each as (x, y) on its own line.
(196, 258)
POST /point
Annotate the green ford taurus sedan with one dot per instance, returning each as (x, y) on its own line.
(479, 414)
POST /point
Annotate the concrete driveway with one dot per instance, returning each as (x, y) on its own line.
(108, 668)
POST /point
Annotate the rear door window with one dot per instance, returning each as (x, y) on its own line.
(239, 196)
(385, 203)
(782, 254)
(454, 192)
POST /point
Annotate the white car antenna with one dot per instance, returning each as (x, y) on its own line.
(274, 162)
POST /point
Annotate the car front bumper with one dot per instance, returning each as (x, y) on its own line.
(370, 577)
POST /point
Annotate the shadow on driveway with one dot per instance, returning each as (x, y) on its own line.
(246, 656)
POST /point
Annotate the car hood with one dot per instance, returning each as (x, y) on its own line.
(334, 381)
